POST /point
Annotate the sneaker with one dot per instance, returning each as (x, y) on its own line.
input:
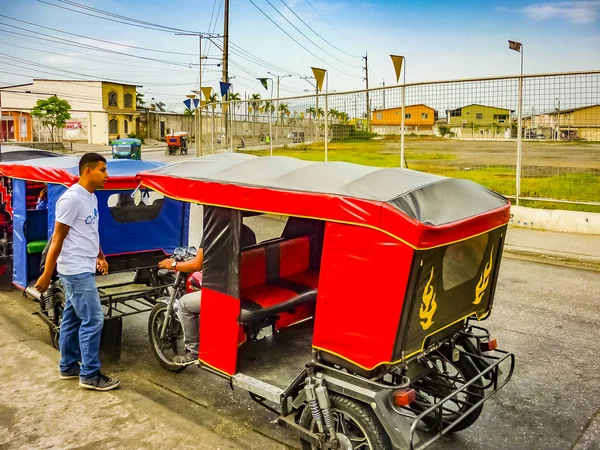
(100, 383)
(186, 359)
(70, 374)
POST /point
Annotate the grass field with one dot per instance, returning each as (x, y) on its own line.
(550, 170)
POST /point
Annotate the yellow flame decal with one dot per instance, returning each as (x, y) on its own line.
(484, 280)
(428, 305)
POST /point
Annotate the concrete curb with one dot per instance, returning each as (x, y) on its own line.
(553, 257)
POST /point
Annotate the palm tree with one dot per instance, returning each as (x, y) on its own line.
(213, 100)
(334, 114)
(344, 117)
(284, 110)
(312, 112)
(235, 99)
(255, 105)
(139, 99)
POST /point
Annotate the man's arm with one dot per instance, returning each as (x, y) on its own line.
(193, 265)
(58, 237)
(101, 263)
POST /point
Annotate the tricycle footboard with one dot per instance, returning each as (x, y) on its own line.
(433, 419)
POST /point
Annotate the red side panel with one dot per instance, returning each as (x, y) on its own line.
(253, 267)
(364, 274)
(219, 330)
(294, 256)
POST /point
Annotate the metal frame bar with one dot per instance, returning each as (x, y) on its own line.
(437, 408)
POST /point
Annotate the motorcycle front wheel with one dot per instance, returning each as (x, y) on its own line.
(172, 344)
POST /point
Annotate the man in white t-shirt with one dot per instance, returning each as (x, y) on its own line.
(75, 252)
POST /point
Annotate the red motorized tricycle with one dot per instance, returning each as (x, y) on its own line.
(357, 325)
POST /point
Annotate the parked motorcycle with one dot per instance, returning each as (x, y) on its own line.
(164, 328)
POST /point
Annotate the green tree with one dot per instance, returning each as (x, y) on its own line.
(139, 99)
(235, 99)
(213, 100)
(284, 110)
(255, 103)
(53, 113)
(312, 112)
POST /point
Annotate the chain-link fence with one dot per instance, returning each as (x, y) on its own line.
(461, 128)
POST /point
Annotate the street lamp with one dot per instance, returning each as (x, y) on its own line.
(518, 47)
(279, 78)
(265, 85)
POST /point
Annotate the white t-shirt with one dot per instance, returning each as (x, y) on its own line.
(78, 209)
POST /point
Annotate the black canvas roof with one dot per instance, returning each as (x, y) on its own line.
(430, 199)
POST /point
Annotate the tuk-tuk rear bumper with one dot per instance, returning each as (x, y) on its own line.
(403, 424)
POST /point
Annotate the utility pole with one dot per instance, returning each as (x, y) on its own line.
(307, 79)
(366, 80)
(226, 63)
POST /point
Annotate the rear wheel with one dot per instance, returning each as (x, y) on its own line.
(172, 344)
(55, 313)
(446, 376)
(355, 421)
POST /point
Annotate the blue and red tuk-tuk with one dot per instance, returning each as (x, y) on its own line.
(359, 322)
(134, 234)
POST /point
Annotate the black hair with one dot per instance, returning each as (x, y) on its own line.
(90, 160)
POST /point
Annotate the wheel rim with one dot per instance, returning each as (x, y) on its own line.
(445, 379)
(346, 424)
(172, 344)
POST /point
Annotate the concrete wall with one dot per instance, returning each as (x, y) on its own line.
(555, 220)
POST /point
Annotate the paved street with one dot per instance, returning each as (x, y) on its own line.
(547, 315)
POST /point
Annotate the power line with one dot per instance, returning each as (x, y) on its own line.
(305, 36)
(292, 38)
(113, 18)
(74, 54)
(319, 35)
(54, 69)
(328, 22)
(86, 46)
(95, 39)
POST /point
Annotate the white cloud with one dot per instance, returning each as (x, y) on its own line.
(59, 60)
(572, 11)
(501, 9)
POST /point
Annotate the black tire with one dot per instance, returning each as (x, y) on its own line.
(361, 419)
(467, 371)
(57, 305)
(172, 345)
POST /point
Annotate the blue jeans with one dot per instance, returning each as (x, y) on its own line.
(81, 325)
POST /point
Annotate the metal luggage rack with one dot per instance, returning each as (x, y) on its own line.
(493, 374)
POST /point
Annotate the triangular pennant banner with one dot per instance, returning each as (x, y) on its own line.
(397, 61)
(224, 107)
(224, 88)
(196, 102)
(207, 91)
(188, 103)
(263, 81)
(513, 45)
(319, 76)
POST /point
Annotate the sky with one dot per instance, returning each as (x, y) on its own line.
(441, 40)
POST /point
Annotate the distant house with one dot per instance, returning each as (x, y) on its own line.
(480, 121)
(573, 123)
(100, 110)
(417, 118)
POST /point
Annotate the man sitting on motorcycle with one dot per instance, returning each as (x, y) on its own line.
(189, 304)
(189, 309)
